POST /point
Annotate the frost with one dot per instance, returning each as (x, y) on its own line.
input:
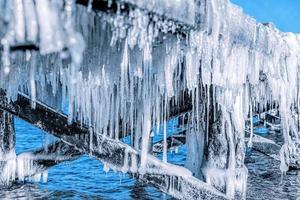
(118, 72)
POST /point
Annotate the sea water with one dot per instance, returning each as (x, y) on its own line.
(85, 178)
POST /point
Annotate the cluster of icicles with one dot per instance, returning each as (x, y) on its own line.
(133, 65)
(17, 168)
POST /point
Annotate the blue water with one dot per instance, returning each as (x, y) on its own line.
(83, 178)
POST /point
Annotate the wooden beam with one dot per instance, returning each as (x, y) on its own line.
(183, 23)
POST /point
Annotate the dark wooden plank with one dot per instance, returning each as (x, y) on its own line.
(24, 47)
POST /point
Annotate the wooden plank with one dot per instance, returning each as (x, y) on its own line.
(22, 47)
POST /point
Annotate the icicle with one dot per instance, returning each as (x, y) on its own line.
(31, 21)
(105, 167)
(51, 39)
(132, 67)
(251, 127)
(32, 82)
(90, 5)
(45, 176)
(5, 56)
(147, 106)
(207, 110)
(19, 21)
(165, 147)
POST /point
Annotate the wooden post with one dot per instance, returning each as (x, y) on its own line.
(7, 133)
(7, 147)
(224, 167)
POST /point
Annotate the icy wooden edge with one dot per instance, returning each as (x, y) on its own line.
(180, 11)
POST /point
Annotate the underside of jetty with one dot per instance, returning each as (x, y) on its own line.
(93, 72)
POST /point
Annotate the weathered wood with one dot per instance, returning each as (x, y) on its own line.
(112, 153)
(7, 133)
(24, 47)
(7, 145)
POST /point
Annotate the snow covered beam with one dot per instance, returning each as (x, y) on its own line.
(182, 12)
(175, 180)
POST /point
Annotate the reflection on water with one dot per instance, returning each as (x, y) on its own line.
(85, 179)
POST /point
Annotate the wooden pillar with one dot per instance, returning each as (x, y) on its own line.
(224, 167)
(7, 148)
(7, 133)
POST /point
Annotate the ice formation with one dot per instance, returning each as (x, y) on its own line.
(15, 167)
(132, 66)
